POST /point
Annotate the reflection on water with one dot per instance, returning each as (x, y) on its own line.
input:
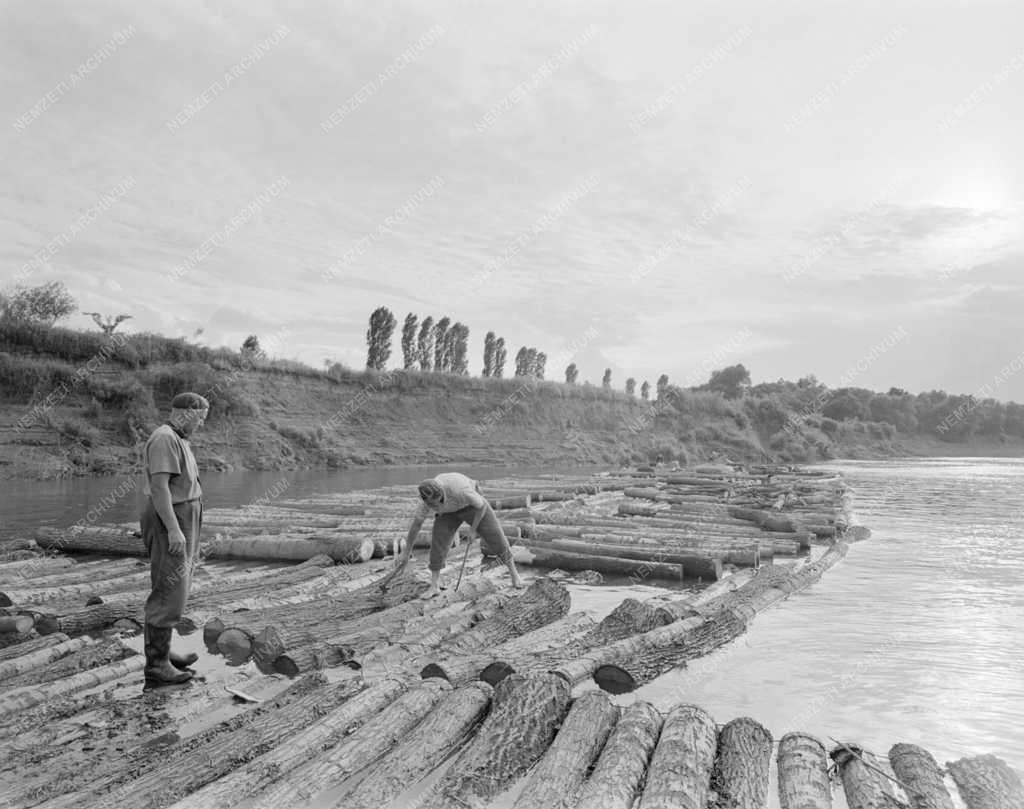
(26, 505)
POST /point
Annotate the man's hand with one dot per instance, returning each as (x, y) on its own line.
(175, 542)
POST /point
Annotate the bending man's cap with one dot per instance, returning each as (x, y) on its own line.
(190, 401)
(430, 489)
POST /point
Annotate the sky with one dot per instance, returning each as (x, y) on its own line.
(654, 187)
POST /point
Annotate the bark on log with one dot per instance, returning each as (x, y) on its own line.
(864, 786)
(526, 713)
(21, 698)
(311, 658)
(89, 656)
(184, 769)
(343, 549)
(697, 565)
(629, 663)
(680, 608)
(514, 501)
(429, 743)
(639, 510)
(740, 775)
(39, 595)
(558, 777)
(41, 657)
(340, 629)
(16, 624)
(679, 775)
(37, 565)
(541, 603)
(549, 558)
(110, 541)
(92, 571)
(30, 646)
(279, 762)
(803, 773)
(619, 773)
(987, 782)
(921, 777)
(373, 739)
(495, 664)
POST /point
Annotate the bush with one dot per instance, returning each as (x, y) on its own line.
(225, 396)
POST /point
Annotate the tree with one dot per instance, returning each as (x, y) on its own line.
(662, 387)
(409, 348)
(378, 338)
(489, 340)
(458, 358)
(46, 303)
(425, 344)
(251, 347)
(606, 380)
(500, 355)
(571, 373)
(523, 361)
(645, 391)
(540, 362)
(631, 386)
(731, 382)
(440, 336)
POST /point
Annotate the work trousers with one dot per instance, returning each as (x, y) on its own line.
(171, 575)
(493, 541)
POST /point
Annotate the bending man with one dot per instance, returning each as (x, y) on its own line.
(454, 499)
(171, 521)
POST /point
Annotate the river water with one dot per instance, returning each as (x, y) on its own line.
(917, 636)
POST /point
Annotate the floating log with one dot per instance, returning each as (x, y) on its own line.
(515, 501)
(37, 565)
(181, 770)
(541, 603)
(311, 658)
(864, 784)
(279, 762)
(344, 549)
(16, 624)
(30, 646)
(98, 539)
(83, 588)
(536, 556)
(373, 739)
(424, 748)
(803, 773)
(921, 777)
(619, 772)
(987, 782)
(639, 510)
(627, 664)
(41, 657)
(91, 656)
(740, 774)
(525, 715)
(19, 699)
(697, 564)
(336, 625)
(93, 571)
(679, 775)
(689, 606)
(493, 665)
(558, 777)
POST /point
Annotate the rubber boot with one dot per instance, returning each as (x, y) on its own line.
(157, 645)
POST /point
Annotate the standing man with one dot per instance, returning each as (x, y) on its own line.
(171, 520)
(454, 499)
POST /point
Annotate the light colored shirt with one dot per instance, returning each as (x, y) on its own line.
(459, 492)
(166, 451)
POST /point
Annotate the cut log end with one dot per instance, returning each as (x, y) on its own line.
(286, 666)
(47, 624)
(235, 645)
(433, 670)
(615, 680)
(496, 672)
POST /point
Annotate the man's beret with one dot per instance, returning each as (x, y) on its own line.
(190, 401)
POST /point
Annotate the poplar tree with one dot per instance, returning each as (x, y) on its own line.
(378, 338)
(425, 344)
(409, 348)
